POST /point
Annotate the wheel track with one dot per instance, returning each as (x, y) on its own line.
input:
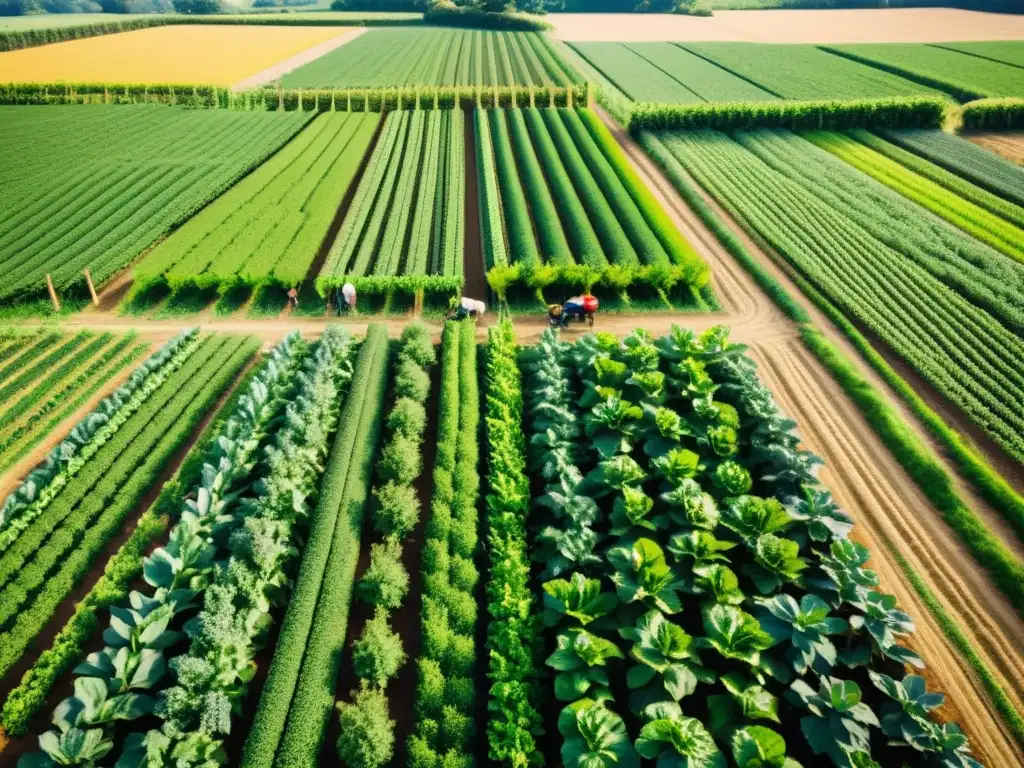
(866, 480)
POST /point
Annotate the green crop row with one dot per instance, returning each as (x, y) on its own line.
(513, 637)
(446, 711)
(951, 205)
(24, 354)
(58, 566)
(897, 267)
(66, 350)
(908, 112)
(298, 694)
(963, 188)
(492, 230)
(522, 245)
(966, 160)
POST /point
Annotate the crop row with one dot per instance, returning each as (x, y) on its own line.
(692, 563)
(492, 228)
(960, 156)
(437, 57)
(367, 732)
(513, 627)
(403, 231)
(563, 177)
(446, 707)
(58, 550)
(953, 205)
(133, 664)
(268, 228)
(109, 200)
(294, 707)
(924, 289)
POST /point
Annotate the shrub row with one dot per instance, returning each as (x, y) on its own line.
(910, 112)
(29, 38)
(367, 733)
(993, 114)
(46, 581)
(513, 633)
(446, 691)
(297, 99)
(299, 692)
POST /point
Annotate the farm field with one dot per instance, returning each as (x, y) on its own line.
(666, 72)
(402, 57)
(561, 177)
(268, 229)
(219, 55)
(1009, 145)
(45, 377)
(961, 75)
(896, 274)
(403, 231)
(1006, 52)
(155, 167)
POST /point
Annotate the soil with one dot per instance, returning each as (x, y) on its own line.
(874, 25)
(270, 74)
(473, 251)
(1010, 145)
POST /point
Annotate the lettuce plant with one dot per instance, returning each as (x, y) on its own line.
(594, 737)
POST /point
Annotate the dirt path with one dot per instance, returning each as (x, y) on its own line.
(1009, 145)
(270, 74)
(870, 484)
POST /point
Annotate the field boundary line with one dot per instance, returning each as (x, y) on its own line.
(270, 74)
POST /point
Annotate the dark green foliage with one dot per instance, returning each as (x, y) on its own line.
(397, 509)
(445, 14)
(994, 114)
(378, 655)
(400, 461)
(411, 381)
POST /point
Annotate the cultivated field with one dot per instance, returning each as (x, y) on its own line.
(217, 55)
(245, 523)
(436, 57)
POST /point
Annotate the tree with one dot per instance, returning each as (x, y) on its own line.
(197, 7)
(367, 737)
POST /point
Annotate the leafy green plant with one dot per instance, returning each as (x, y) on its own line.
(594, 737)
(577, 598)
(366, 734)
(838, 723)
(580, 659)
(668, 658)
(679, 742)
(377, 654)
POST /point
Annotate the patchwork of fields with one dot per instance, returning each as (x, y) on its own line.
(237, 530)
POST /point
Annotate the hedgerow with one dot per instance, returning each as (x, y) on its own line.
(993, 114)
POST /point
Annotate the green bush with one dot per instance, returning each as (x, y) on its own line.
(401, 460)
(421, 755)
(385, 582)
(430, 691)
(407, 418)
(397, 510)
(460, 656)
(411, 381)
(456, 728)
(415, 344)
(447, 14)
(378, 654)
(993, 114)
(463, 573)
(460, 692)
(367, 733)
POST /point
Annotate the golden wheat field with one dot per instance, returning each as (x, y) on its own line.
(217, 55)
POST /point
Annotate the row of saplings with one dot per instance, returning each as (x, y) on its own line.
(707, 606)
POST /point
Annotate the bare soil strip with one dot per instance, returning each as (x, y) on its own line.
(1010, 145)
(270, 74)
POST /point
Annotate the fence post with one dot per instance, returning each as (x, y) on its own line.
(53, 293)
(92, 288)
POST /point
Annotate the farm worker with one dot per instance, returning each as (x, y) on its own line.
(348, 293)
(472, 307)
(293, 297)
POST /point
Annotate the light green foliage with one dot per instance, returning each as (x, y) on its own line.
(367, 734)
(377, 655)
(120, 189)
(385, 582)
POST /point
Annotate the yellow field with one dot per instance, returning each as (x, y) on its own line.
(216, 55)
